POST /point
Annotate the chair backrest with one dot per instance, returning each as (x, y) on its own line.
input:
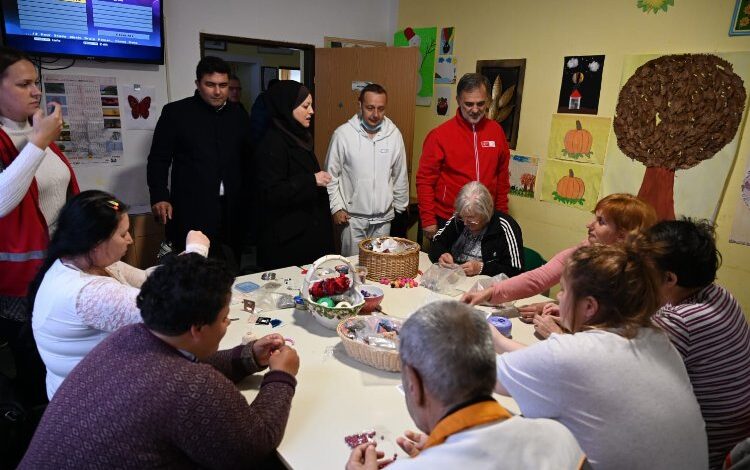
(532, 259)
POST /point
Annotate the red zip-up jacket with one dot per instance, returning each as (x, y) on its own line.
(25, 236)
(456, 153)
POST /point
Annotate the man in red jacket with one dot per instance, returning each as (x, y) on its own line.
(467, 148)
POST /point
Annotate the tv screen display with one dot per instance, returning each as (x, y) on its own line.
(123, 30)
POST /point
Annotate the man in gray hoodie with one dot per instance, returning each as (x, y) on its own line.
(367, 161)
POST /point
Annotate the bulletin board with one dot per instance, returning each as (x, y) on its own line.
(125, 178)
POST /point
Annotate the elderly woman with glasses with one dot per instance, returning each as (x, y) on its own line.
(478, 238)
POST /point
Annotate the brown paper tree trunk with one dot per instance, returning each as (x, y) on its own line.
(657, 189)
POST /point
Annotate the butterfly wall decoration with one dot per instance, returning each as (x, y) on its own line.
(139, 109)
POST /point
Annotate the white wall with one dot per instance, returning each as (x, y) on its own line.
(299, 21)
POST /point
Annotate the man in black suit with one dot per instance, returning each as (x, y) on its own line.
(204, 139)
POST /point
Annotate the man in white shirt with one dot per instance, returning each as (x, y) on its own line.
(367, 160)
(448, 366)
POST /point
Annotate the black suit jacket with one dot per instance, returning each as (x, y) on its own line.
(204, 146)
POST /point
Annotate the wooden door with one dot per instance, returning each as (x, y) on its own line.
(395, 68)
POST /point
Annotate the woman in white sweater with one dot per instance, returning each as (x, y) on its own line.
(617, 382)
(83, 291)
(35, 181)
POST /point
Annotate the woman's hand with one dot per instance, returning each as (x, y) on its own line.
(412, 442)
(527, 312)
(197, 242)
(545, 325)
(322, 178)
(46, 129)
(478, 297)
(446, 260)
(472, 268)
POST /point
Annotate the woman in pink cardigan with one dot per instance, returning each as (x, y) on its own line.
(615, 216)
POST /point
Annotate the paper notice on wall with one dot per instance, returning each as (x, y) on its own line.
(92, 130)
(137, 105)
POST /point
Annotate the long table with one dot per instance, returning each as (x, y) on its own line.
(336, 395)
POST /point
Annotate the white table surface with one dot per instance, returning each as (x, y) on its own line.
(336, 395)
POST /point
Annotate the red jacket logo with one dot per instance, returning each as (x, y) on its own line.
(488, 143)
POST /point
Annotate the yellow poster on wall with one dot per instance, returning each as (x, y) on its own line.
(579, 138)
(571, 184)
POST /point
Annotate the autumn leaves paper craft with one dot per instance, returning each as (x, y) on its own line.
(579, 138)
(581, 84)
(571, 184)
(675, 146)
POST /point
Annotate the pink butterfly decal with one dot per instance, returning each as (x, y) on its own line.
(139, 108)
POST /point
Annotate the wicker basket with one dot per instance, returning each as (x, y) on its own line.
(390, 265)
(382, 359)
(329, 317)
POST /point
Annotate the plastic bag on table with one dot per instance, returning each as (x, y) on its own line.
(508, 309)
(443, 279)
(268, 300)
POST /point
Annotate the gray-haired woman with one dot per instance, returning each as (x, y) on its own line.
(480, 239)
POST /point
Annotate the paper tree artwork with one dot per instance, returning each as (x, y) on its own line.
(523, 171)
(682, 132)
(579, 138)
(423, 39)
(571, 184)
(581, 84)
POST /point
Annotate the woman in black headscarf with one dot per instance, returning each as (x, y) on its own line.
(294, 215)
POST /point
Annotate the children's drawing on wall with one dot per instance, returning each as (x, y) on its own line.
(571, 184)
(676, 139)
(443, 97)
(423, 39)
(445, 70)
(740, 19)
(446, 41)
(506, 78)
(741, 224)
(581, 84)
(523, 171)
(579, 138)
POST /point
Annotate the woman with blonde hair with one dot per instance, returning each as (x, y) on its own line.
(615, 217)
(616, 382)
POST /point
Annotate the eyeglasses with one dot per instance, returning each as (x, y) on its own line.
(469, 220)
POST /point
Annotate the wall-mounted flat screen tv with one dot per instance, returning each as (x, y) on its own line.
(122, 30)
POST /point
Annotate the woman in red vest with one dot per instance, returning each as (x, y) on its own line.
(35, 181)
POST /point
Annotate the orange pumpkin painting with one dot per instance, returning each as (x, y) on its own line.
(578, 143)
(570, 190)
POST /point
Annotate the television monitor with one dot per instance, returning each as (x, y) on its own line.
(122, 30)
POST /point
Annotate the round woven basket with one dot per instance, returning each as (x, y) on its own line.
(329, 317)
(382, 359)
(390, 265)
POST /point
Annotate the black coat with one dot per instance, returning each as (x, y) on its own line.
(294, 226)
(204, 147)
(502, 244)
